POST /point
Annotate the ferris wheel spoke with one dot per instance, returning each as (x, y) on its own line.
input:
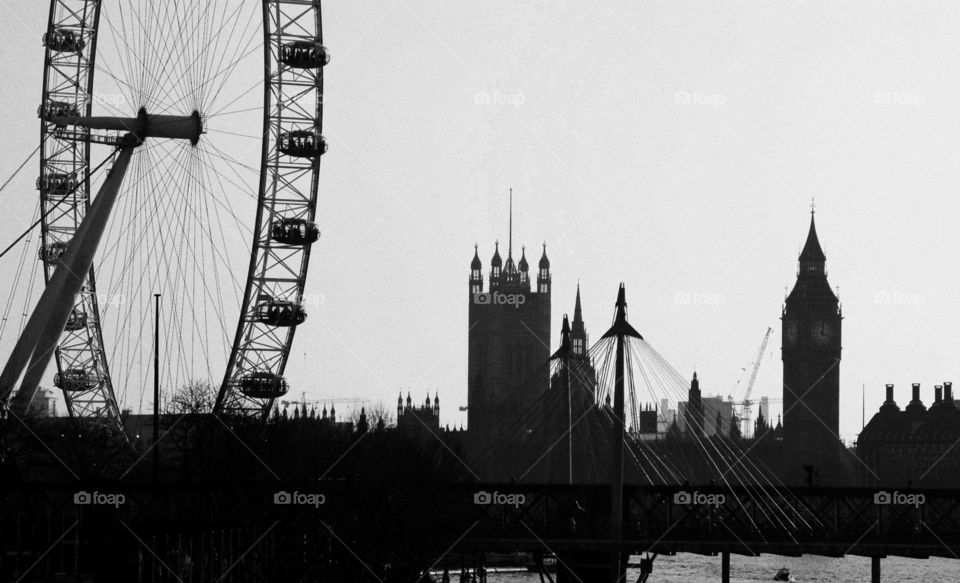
(182, 34)
(227, 158)
(125, 57)
(232, 59)
(205, 225)
(238, 182)
(159, 221)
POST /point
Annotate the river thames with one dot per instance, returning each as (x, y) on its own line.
(685, 568)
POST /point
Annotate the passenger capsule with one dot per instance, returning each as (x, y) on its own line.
(302, 144)
(76, 379)
(304, 54)
(55, 183)
(280, 313)
(53, 109)
(76, 321)
(51, 252)
(263, 385)
(61, 40)
(294, 232)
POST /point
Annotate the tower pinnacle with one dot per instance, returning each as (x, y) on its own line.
(811, 249)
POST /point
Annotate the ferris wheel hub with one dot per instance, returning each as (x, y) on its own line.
(145, 125)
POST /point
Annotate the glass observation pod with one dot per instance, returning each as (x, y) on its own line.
(63, 41)
(304, 54)
(53, 108)
(294, 231)
(263, 385)
(53, 183)
(302, 144)
(280, 313)
(51, 252)
(76, 321)
(76, 379)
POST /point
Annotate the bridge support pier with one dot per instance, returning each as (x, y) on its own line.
(725, 567)
(874, 569)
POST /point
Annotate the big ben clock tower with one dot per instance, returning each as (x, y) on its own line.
(811, 372)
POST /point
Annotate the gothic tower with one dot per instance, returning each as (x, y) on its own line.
(811, 372)
(572, 395)
(695, 422)
(509, 340)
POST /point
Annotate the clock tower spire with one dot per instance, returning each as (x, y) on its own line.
(811, 371)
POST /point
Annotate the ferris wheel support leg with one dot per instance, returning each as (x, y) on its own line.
(39, 339)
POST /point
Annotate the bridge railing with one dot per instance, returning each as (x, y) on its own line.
(828, 521)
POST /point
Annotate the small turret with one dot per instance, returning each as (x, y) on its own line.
(543, 278)
(496, 265)
(476, 272)
(524, 268)
(578, 332)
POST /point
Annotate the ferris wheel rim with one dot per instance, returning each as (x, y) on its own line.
(229, 398)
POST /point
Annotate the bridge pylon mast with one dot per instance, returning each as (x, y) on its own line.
(620, 330)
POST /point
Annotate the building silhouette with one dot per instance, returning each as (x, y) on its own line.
(811, 322)
(702, 416)
(415, 419)
(914, 445)
(691, 411)
(509, 345)
(583, 375)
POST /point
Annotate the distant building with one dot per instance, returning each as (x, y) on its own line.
(665, 416)
(718, 416)
(912, 446)
(765, 409)
(691, 411)
(413, 419)
(709, 416)
(44, 403)
(649, 421)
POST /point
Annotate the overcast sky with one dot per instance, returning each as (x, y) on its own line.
(674, 146)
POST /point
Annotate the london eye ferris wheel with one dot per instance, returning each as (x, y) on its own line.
(180, 147)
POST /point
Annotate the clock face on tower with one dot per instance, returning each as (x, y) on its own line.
(790, 334)
(821, 333)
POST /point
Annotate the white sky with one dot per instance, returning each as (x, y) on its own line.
(671, 145)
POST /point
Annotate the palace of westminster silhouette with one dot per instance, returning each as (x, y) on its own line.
(510, 340)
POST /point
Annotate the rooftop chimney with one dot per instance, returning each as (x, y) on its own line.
(948, 393)
(938, 394)
(889, 406)
(916, 405)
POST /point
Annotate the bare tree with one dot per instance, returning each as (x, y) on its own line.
(193, 397)
(378, 411)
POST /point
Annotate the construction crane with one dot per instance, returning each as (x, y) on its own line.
(746, 405)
